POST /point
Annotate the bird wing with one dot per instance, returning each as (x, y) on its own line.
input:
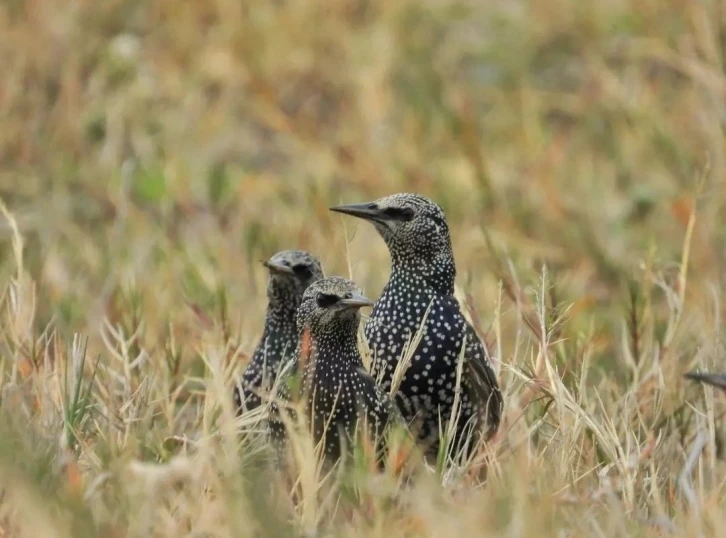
(394, 414)
(479, 375)
(484, 380)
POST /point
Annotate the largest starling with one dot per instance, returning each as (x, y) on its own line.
(290, 273)
(339, 396)
(422, 275)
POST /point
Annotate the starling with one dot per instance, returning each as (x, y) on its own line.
(291, 272)
(715, 380)
(422, 275)
(337, 393)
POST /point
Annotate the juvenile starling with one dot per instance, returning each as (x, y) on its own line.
(291, 272)
(337, 393)
(422, 274)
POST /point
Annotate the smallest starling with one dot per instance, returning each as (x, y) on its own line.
(290, 273)
(337, 392)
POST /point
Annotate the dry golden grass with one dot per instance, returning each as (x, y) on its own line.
(152, 152)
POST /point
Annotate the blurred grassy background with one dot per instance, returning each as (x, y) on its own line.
(153, 152)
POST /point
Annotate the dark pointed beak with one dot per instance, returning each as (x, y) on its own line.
(366, 211)
(356, 301)
(277, 267)
(717, 380)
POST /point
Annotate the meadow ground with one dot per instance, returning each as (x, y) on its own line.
(153, 152)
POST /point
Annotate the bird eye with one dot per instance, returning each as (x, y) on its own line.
(303, 271)
(400, 213)
(326, 300)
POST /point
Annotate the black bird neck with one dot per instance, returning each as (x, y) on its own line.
(436, 271)
(337, 345)
(283, 301)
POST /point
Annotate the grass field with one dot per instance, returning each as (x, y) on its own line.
(152, 153)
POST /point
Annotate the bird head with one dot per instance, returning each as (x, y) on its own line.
(413, 226)
(292, 270)
(330, 304)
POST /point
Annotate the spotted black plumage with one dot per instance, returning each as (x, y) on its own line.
(422, 273)
(332, 383)
(290, 273)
